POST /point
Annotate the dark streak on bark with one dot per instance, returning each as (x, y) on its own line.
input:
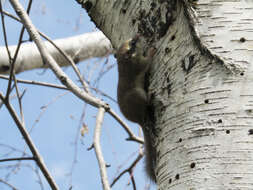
(151, 25)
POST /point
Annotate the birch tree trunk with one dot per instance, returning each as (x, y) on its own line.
(201, 85)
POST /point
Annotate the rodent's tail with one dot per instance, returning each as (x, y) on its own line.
(150, 154)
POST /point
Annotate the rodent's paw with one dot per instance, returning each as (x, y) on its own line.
(151, 52)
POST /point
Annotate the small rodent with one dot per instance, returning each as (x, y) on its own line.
(133, 64)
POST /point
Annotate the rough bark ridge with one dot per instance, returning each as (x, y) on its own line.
(204, 108)
(200, 82)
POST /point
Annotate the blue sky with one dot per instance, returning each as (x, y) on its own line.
(55, 133)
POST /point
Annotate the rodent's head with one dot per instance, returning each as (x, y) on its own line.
(128, 48)
(133, 49)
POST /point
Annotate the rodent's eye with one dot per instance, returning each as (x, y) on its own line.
(133, 43)
(132, 47)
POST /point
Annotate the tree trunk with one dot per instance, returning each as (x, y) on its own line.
(200, 84)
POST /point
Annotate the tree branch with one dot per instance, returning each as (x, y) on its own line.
(129, 169)
(31, 145)
(50, 85)
(17, 159)
(7, 184)
(99, 155)
(58, 71)
(50, 61)
(77, 48)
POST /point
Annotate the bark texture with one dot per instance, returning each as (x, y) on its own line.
(200, 84)
(226, 28)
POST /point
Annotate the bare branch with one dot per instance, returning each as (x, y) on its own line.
(129, 169)
(133, 180)
(132, 136)
(28, 166)
(55, 86)
(4, 31)
(7, 184)
(74, 162)
(66, 81)
(36, 83)
(12, 61)
(30, 144)
(99, 155)
(60, 74)
(14, 149)
(19, 96)
(16, 159)
(78, 48)
(44, 108)
(49, 59)
(37, 172)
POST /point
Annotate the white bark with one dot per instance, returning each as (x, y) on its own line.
(205, 111)
(98, 150)
(225, 27)
(79, 48)
(201, 84)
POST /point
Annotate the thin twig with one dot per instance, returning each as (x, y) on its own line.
(14, 149)
(74, 162)
(66, 57)
(19, 96)
(62, 52)
(36, 83)
(38, 173)
(61, 75)
(132, 136)
(6, 45)
(16, 159)
(7, 184)
(55, 86)
(44, 108)
(133, 180)
(98, 91)
(30, 144)
(50, 61)
(30, 167)
(99, 155)
(12, 61)
(129, 169)
(103, 72)
(4, 31)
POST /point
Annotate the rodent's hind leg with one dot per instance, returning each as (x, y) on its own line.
(136, 107)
